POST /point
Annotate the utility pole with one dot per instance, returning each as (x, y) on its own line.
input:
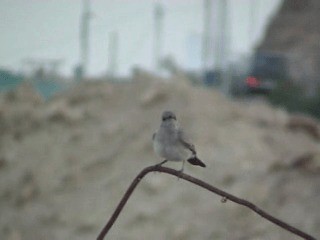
(222, 45)
(113, 53)
(206, 37)
(252, 21)
(84, 37)
(158, 34)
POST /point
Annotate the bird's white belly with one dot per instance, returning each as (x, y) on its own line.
(171, 152)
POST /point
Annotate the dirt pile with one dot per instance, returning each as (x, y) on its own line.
(63, 174)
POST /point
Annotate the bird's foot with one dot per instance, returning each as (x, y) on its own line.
(160, 164)
(180, 172)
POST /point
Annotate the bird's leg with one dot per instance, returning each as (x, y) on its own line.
(163, 162)
(181, 170)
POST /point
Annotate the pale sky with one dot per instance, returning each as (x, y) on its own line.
(50, 29)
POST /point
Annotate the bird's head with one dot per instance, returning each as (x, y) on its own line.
(168, 116)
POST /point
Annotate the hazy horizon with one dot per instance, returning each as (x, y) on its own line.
(50, 30)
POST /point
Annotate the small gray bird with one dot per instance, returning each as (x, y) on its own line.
(170, 142)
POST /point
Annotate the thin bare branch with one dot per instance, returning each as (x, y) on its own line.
(225, 196)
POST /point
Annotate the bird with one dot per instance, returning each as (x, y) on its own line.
(171, 144)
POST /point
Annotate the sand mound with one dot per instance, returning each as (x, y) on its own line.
(64, 165)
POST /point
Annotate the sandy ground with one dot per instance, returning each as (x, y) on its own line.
(65, 164)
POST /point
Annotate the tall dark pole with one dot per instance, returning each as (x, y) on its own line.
(253, 20)
(206, 37)
(222, 45)
(113, 53)
(84, 36)
(158, 36)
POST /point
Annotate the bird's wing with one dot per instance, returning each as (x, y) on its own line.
(185, 142)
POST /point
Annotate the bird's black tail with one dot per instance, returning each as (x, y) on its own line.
(196, 161)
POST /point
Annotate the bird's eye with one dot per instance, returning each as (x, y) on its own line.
(169, 117)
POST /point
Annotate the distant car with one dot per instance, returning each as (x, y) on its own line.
(267, 71)
(212, 78)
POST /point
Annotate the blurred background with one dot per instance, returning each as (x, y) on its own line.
(82, 88)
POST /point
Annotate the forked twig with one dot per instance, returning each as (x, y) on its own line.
(225, 195)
